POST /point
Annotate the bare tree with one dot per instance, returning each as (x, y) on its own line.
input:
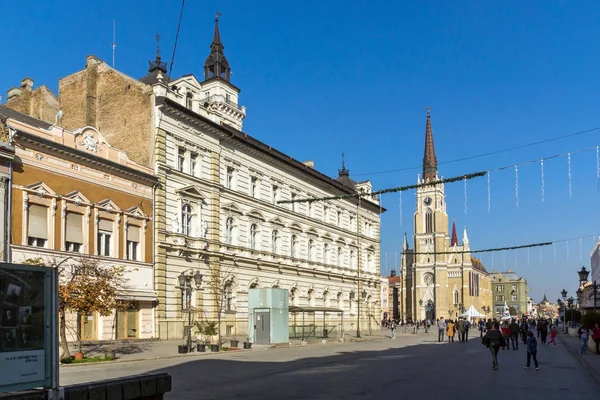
(85, 285)
(221, 290)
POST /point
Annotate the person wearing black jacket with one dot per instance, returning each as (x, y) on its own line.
(493, 340)
(514, 334)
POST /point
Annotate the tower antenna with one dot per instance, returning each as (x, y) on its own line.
(114, 43)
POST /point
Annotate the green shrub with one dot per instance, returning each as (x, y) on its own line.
(591, 318)
(66, 361)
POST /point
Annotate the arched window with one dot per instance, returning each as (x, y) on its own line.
(339, 257)
(352, 259)
(326, 253)
(311, 250)
(368, 267)
(311, 298)
(274, 242)
(187, 217)
(456, 297)
(293, 296)
(428, 222)
(294, 246)
(326, 299)
(253, 236)
(229, 230)
(340, 301)
(228, 289)
(188, 100)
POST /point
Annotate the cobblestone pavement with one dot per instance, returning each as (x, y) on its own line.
(409, 367)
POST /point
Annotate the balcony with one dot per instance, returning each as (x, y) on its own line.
(220, 101)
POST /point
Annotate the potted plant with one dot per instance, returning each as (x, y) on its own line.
(199, 328)
(210, 331)
(247, 344)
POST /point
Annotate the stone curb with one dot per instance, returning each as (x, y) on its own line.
(595, 375)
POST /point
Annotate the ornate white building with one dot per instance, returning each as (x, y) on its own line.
(217, 210)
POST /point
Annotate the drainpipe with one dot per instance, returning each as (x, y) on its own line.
(8, 215)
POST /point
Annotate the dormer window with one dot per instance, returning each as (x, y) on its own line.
(188, 100)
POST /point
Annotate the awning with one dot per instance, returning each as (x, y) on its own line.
(139, 295)
(313, 309)
(472, 313)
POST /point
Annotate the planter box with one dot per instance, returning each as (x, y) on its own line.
(182, 349)
(214, 348)
(247, 345)
(201, 348)
(234, 343)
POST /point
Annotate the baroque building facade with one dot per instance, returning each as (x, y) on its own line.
(217, 204)
(509, 289)
(75, 198)
(440, 278)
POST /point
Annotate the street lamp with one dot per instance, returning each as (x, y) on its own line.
(579, 292)
(583, 275)
(564, 294)
(187, 284)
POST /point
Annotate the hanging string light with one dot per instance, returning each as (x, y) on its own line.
(517, 184)
(569, 166)
(489, 190)
(465, 196)
(543, 182)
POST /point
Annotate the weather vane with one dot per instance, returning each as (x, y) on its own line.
(217, 16)
(158, 45)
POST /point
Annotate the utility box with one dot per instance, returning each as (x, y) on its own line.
(268, 316)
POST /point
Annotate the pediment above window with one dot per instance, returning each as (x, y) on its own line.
(231, 208)
(277, 221)
(107, 205)
(76, 197)
(296, 227)
(191, 192)
(40, 189)
(327, 237)
(257, 215)
(312, 232)
(136, 212)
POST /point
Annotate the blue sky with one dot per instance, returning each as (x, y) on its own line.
(324, 77)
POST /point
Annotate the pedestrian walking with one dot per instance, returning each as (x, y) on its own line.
(584, 334)
(543, 330)
(393, 327)
(596, 338)
(467, 327)
(552, 335)
(450, 330)
(531, 350)
(505, 330)
(514, 334)
(461, 328)
(524, 330)
(441, 329)
(493, 340)
(481, 327)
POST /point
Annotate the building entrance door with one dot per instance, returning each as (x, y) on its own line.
(262, 327)
(127, 323)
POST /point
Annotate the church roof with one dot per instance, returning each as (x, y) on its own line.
(478, 265)
(429, 158)
(344, 176)
(454, 240)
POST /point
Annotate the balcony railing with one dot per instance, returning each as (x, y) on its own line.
(217, 98)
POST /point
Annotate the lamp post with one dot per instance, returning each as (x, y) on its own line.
(188, 284)
(583, 275)
(563, 293)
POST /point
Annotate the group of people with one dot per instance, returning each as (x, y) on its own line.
(584, 334)
(450, 328)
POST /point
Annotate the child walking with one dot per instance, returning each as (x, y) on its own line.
(552, 336)
(531, 350)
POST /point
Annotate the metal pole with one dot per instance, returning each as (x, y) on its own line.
(358, 267)
(595, 289)
(189, 309)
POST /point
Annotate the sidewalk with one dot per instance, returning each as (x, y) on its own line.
(161, 349)
(590, 362)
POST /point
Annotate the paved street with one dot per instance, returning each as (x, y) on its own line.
(413, 366)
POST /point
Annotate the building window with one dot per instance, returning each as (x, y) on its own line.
(181, 159)
(253, 186)
(369, 266)
(227, 98)
(428, 222)
(294, 205)
(325, 214)
(310, 209)
(229, 231)
(513, 289)
(188, 100)
(253, 236)
(74, 232)
(229, 178)
(186, 220)
(514, 298)
(37, 229)
(339, 257)
(194, 164)
(293, 296)
(275, 242)
(294, 246)
(275, 194)
(326, 253)
(499, 298)
(339, 218)
(499, 288)
(229, 297)
(133, 243)
(352, 259)
(105, 234)
(311, 250)
(456, 297)
(351, 222)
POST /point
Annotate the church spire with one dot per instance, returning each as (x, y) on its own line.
(454, 240)
(157, 64)
(429, 158)
(216, 65)
(343, 171)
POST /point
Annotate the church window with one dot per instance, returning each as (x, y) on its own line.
(428, 221)
(456, 297)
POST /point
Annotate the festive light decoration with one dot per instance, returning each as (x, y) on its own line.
(400, 208)
(567, 250)
(570, 180)
(390, 190)
(489, 191)
(543, 182)
(580, 250)
(525, 246)
(517, 184)
(465, 196)
(598, 166)
(554, 250)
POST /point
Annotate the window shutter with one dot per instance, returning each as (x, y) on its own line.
(133, 233)
(105, 225)
(74, 228)
(38, 222)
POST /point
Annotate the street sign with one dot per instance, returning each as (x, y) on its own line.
(28, 327)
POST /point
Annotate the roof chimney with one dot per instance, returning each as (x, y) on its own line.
(309, 164)
(13, 93)
(27, 84)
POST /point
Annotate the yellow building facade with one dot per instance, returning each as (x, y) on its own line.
(441, 279)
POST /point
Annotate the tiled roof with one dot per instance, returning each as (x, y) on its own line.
(6, 112)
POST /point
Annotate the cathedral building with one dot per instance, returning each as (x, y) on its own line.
(441, 279)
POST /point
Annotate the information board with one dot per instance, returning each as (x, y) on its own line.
(28, 324)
